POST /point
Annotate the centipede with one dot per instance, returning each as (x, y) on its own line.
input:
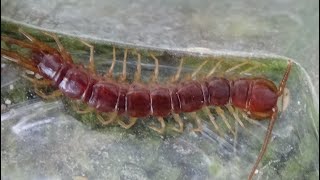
(255, 97)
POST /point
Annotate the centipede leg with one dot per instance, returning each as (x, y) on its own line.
(52, 95)
(193, 75)
(124, 66)
(198, 122)
(132, 121)
(111, 119)
(178, 120)
(250, 69)
(177, 75)
(236, 67)
(75, 106)
(137, 75)
(235, 115)
(214, 68)
(42, 82)
(212, 119)
(154, 77)
(66, 56)
(91, 67)
(163, 126)
(224, 119)
(110, 72)
(265, 142)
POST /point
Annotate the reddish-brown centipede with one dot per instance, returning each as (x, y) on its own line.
(256, 96)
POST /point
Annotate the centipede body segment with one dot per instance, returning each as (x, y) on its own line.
(257, 97)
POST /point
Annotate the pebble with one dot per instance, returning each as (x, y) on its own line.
(7, 101)
(38, 76)
(29, 72)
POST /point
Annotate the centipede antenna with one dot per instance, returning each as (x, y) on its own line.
(23, 44)
(124, 67)
(199, 127)
(212, 119)
(154, 78)
(111, 119)
(137, 75)
(177, 76)
(220, 112)
(92, 67)
(110, 72)
(214, 68)
(132, 121)
(235, 115)
(178, 120)
(237, 66)
(265, 142)
(22, 61)
(282, 84)
(66, 56)
(163, 126)
(198, 69)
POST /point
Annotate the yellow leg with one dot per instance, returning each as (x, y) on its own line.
(42, 82)
(235, 115)
(91, 66)
(212, 119)
(137, 75)
(177, 76)
(53, 94)
(132, 121)
(124, 67)
(75, 107)
(237, 66)
(178, 120)
(214, 68)
(198, 122)
(110, 72)
(111, 119)
(220, 112)
(163, 126)
(248, 70)
(154, 77)
(198, 69)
